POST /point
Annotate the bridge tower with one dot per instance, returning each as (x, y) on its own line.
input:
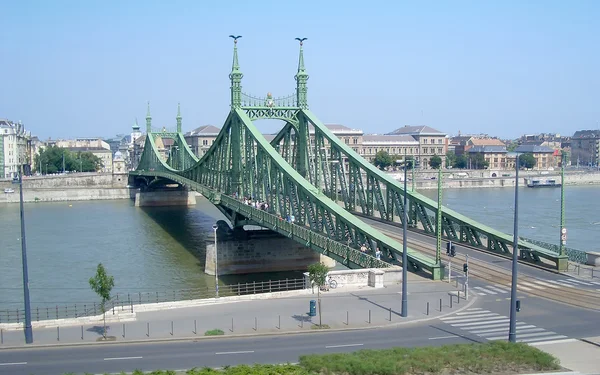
(302, 102)
(148, 121)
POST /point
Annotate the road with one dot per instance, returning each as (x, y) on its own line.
(110, 358)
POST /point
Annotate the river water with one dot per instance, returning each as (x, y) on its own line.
(162, 248)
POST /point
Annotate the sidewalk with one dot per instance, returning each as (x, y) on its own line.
(273, 313)
(582, 356)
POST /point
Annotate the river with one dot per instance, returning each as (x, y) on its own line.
(162, 248)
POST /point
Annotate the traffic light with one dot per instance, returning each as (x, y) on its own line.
(465, 268)
(448, 246)
(452, 251)
(518, 305)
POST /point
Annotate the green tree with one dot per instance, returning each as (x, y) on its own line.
(435, 162)
(527, 160)
(102, 285)
(50, 160)
(317, 273)
(460, 162)
(478, 161)
(382, 160)
(512, 146)
(450, 159)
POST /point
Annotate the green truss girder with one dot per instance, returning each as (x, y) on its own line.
(242, 163)
(342, 174)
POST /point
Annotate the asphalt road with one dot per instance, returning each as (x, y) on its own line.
(110, 358)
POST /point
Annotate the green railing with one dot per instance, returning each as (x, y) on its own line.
(578, 256)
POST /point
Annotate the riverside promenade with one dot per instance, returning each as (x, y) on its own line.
(351, 307)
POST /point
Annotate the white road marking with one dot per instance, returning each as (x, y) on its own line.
(542, 338)
(13, 364)
(499, 289)
(534, 286)
(485, 290)
(579, 282)
(472, 312)
(455, 318)
(240, 352)
(562, 283)
(478, 319)
(595, 282)
(546, 284)
(480, 323)
(475, 308)
(121, 358)
(342, 346)
(526, 335)
(503, 328)
(553, 342)
(442, 337)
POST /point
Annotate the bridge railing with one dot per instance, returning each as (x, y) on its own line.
(575, 255)
(126, 302)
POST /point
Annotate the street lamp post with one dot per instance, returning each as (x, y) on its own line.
(563, 229)
(404, 312)
(512, 332)
(216, 262)
(28, 329)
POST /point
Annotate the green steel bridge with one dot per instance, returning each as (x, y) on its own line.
(307, 172)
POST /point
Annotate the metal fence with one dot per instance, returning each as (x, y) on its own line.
(127, 301)
(578, 256)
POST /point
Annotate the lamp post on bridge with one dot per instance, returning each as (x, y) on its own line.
(216, 262)
(512, 331)
(563, 229)
(404, 311)
(27, 325)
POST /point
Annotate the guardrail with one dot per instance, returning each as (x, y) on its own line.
(578, 256)
(127, 301)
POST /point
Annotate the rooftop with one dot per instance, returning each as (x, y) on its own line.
(488, 149)
(389, 139)
(416, 130)
(203, 130)
(534, 149)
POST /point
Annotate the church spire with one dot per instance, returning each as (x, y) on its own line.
(236, 77)
(178, 118)
(148, 120)
(135, 126)
(301, 78)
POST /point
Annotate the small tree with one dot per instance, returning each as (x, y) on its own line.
(317, 273)
(435, 162)
(527, 160)
(102, 285)
(382, 160)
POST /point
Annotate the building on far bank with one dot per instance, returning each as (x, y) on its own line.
(15, 149)
(494, 155)
(585, 147)
(431, 142)
(545, 157)
(96, 146)
(200, 139)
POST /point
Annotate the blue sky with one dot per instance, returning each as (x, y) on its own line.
(87, 68)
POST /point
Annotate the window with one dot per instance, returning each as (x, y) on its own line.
(440, 141)
(440, 150)
(205, 142)
(355, 141)
(424, 141)
(347, 141)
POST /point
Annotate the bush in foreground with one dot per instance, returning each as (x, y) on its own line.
(494, 357)
(214, 332)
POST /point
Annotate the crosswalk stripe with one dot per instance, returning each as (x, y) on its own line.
(480, 323)
(553, 342)
(475, 308)
(562, 284)
(520, 286)
(478, 319)
(504, 327)
(497, 289)
(472, 312)
(522, 333)
(579, 282)
(534, 286)
(527, 336)
(485, 290)
(496, 325)
(481, 294)
(472, 317)
(532, 339)
(546, 284)
(595, 282)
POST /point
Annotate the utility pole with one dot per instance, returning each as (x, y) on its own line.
(512, 332)
(27, 325)
(404, 312)
(63, 161)
(563, 230)
(438, 229)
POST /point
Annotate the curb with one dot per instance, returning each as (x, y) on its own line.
(590, 342)
(244, 335)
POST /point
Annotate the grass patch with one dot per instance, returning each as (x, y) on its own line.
(492, 358)
(214, 332)
(495, 357)
(322, 326)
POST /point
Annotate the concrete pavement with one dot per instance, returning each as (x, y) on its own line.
(286, 312)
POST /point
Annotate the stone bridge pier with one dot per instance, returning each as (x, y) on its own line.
(256, 251)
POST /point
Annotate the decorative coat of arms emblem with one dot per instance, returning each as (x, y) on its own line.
(270, 101)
